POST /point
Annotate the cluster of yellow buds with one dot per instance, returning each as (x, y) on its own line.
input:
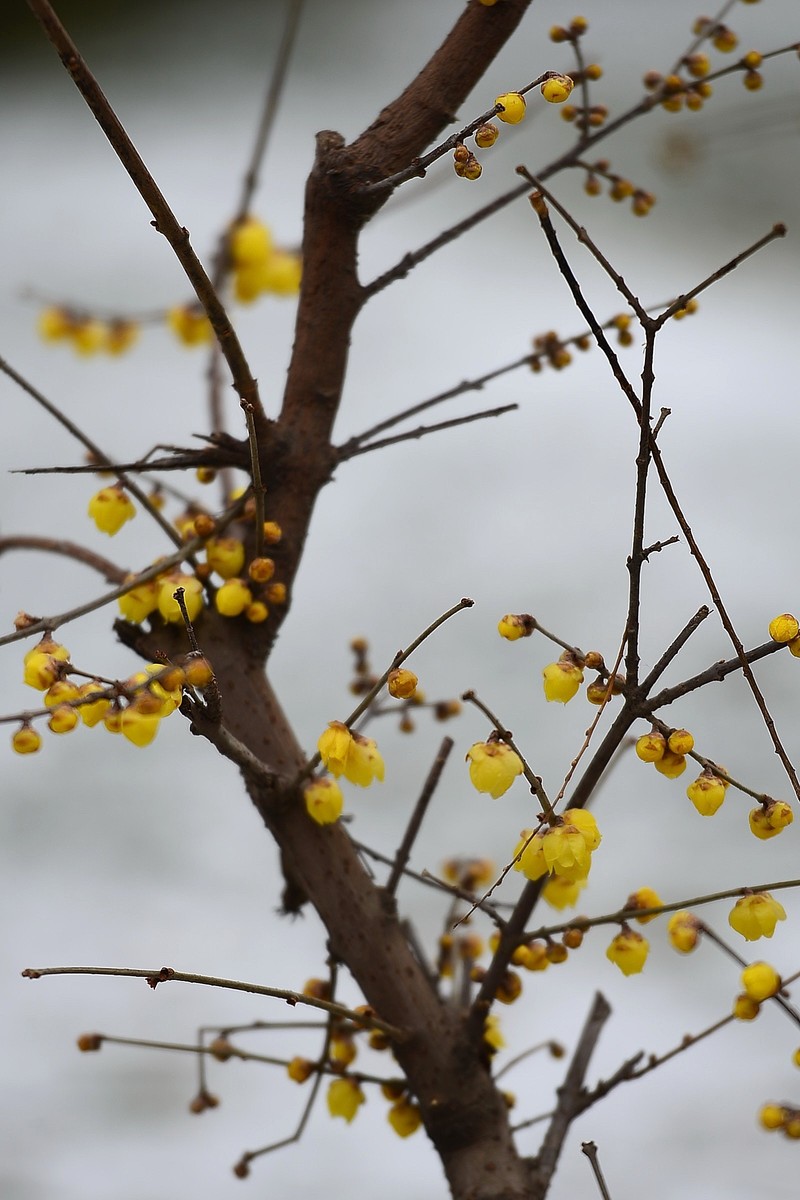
(667, 753)
(673, 92)
(563, 678)
(133, 708)
(785, 1117)
(259, 266)
(86, 334)
(619, 189)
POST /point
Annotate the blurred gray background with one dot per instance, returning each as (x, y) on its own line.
(112, 855)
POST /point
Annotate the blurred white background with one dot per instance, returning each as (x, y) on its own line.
(112, 855)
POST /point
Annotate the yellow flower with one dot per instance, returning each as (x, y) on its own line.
(566, 852)
(41, 670)
(513, 107)
(556, 89)
(680, 741)
(784, 628)
(493, 767)
(190, 325)
(745, 1008)
(192, 598)
(628, 951)
(139, 602)
(93, 711)
(760, 981)
(138, 725)
(529, 854)
(26, 740)
(250, 242)
(402, 683)
(233, 598)
(562, 679)
(225, 556)
(772, 1116)
(560, 892)
(324, 800)
(515, 625)
(650, 747)
(64, 719)
(364, 761)
(586, 825)
(768, 822)
(300, 1069)
(706, 793)
(283, 273)
(684, 931)
(404, 1117)
(334, 747)
(110, 508)
(492, 1035)
(756, 916)
(670, 764)
(345, 1097)
(644, 897)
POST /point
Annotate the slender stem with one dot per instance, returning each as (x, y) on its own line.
(636, 559)
(351, 451)
(168, 974)
(532, 778)
(110, 571)
(590, 1150)
(164, 220)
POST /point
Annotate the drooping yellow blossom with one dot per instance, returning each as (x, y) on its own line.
(707, 793)
(684, 931)
(566, 852)
(515, 625)
(225, 556)
(350, 754)
(93, 711)
(110, 508)
(192, 598)
(233, 598)
(250, 242)
(628, 951)
(560, 892)
(562, 679)
(493, 767)
(745, 1008)
(142, 600)
(138, 725)
(760, 981)
(680, 741)
(670, 764)
(324, 800)
(26, 740)
(345, 1097)
(529, 854)
(586, 825)
(64, 719)
(756, 915)
(190, 325)
(404, 1117)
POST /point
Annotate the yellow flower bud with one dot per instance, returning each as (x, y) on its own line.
(671, 765)
(25, 740)
(562, 679)
(650, 747)
(250, 242)
(557, 89)
(233, 598)
(683, 929)
(225, 556)
(644, 897)
(784, 628)
(760, 981)
(110, 508)
(324, 800)
(402, 683)
(706, 793)
(513, 107)
(680, 741)
(745, 1008)
(345, 1097)
(404, 1116)
(493, 767)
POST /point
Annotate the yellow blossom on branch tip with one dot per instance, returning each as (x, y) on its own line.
(401, 683)
(566, 852)
(334, 747)
(756, 916)
(513, 107)
(628, 951)
(493, 767)
(670, 764)
(345, 1097)
(557, 89)
(561, 893)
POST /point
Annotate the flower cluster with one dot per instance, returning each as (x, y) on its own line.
(134, 708)
(86, 334)
(563, 848)
(259, 266)
(350, 754)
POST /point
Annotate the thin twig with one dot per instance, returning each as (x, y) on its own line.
(168, 974)
(417, 815)
(590, 1150)
(348, 451)
(164, 220)
(110, 571)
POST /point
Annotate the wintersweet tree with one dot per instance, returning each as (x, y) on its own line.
(436, 1012)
